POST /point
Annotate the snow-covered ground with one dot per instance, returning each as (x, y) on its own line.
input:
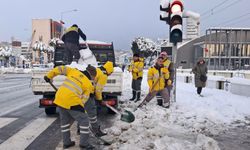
(14, 70)
(186, 125)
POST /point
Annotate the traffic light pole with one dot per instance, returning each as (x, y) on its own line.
(174, 50)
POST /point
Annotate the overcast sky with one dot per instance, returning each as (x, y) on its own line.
(119, 21)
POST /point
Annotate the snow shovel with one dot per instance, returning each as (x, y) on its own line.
(144, 100)
(54, 87)
(126, 115)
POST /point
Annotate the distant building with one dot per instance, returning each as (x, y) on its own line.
(43, 30)
(222, 48)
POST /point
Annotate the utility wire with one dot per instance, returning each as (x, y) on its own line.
(240, 21)
(211, 10)
(224, 8)
(234, 19)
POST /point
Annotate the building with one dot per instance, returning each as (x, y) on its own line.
(223, 48)
(26, 54)
(192, 28)
(43, 30)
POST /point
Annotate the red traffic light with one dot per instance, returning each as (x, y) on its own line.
(176, 6)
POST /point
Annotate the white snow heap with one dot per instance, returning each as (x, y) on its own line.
(53, 42)
(6, 51)
(39, 45)
(189, 124)
(23, 58)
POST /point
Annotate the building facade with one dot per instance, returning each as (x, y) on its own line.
(43, 30)
(223, 48)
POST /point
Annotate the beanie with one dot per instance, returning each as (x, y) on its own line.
(136, 55)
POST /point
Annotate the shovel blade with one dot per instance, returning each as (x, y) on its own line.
(127, 116)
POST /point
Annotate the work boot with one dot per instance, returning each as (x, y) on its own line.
(138, 96)
(159, 102)
(78, 130)
(87, 147)
(166, 105)
(98, 132)
(72, 143)
(134, 96)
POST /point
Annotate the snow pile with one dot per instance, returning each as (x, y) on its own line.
(6, 51)
(153, 130)
(54, 41)
(240, 80)
(93, 42)
(4, 70)
(81, 67)
(87, 57)
(189, 123)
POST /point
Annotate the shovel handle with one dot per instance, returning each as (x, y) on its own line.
(112, 108)
(54, 87)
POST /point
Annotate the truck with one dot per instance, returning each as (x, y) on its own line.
(102, 51)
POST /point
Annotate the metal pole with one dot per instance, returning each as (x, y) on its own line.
(174, 51)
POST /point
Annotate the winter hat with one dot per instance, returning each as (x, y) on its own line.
(74, 25)
(164, 53)
(91, 70)
(108, 67)
(136, 55)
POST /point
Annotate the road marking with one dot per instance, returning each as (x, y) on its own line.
(15, 107)
(10, 87)
(24, 137)
(6, 121)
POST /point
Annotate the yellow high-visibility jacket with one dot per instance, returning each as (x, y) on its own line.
(75, 90)
(154, 75)
(137, 69)
(166, 63)
(100, 81)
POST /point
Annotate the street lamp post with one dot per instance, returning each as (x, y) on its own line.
(64, 12)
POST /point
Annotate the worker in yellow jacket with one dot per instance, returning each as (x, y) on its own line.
(71, 98)
(136, 68)
(71, 43)
(169, 82)
(156, 81)
(100, 80)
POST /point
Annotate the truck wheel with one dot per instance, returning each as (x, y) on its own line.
(50, 111)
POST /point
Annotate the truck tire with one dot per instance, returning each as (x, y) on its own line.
(50, 111)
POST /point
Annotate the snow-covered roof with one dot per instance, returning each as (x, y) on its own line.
(88, 41)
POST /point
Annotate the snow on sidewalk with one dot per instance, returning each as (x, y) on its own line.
(186, 125)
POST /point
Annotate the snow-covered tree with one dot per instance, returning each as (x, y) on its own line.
(147, 48)
(6, 51)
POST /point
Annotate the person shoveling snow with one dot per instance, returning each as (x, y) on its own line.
(156, 81)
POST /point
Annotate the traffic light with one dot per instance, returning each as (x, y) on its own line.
(164, 8)
(176, 10)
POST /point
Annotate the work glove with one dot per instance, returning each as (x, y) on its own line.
(103, 103)
(164, 71)
(46, 79)
(169, 82)
(98, 102)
